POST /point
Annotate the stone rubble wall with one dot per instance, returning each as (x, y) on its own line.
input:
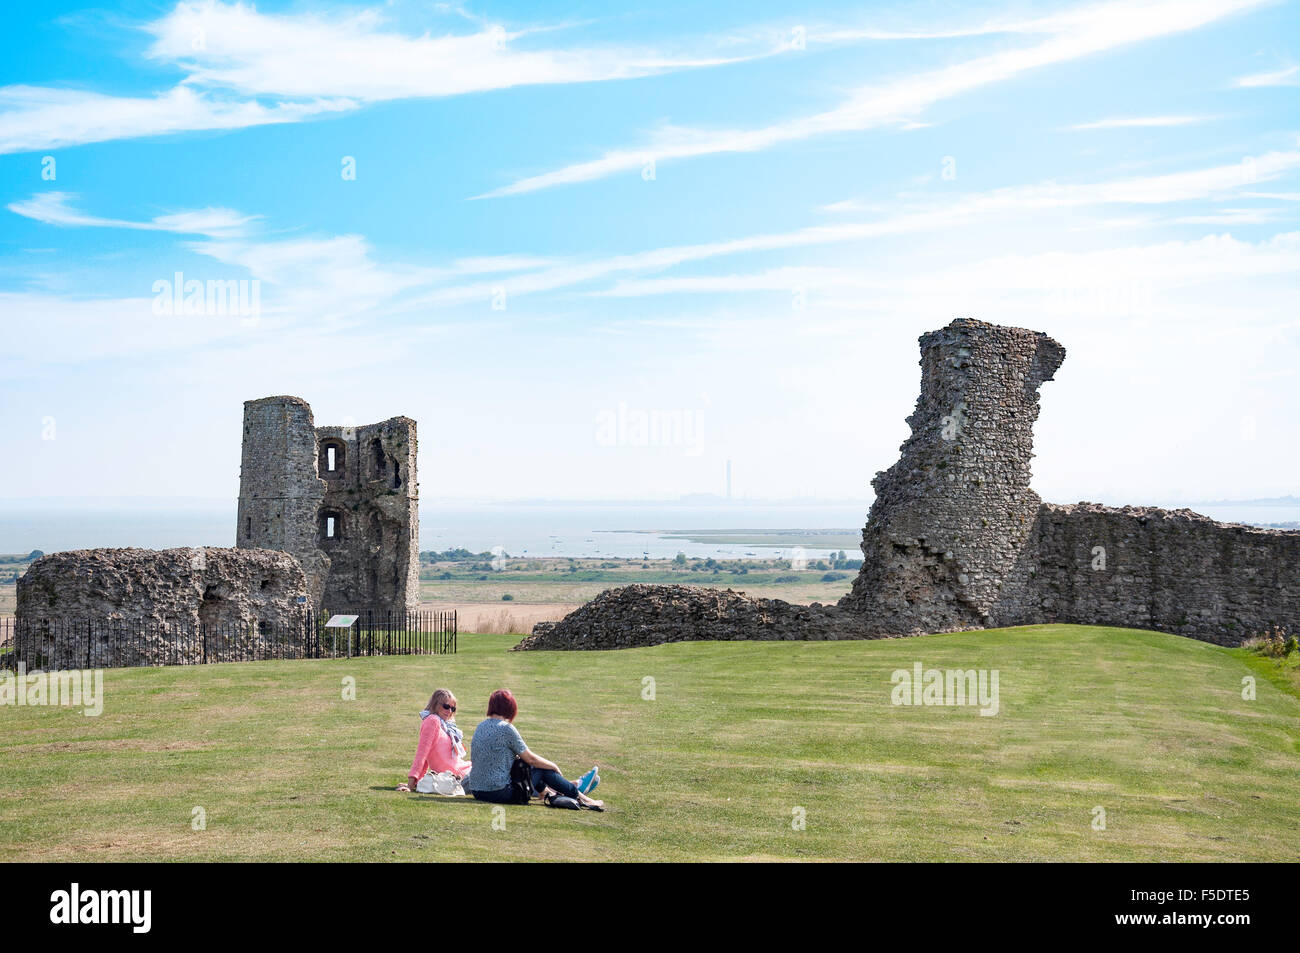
(231, 591)
(1170, 570)
(652, 614)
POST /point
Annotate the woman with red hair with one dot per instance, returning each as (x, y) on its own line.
(496, 745)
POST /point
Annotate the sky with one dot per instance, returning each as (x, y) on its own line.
(597, 251)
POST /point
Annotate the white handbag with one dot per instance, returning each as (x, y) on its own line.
(444, 783)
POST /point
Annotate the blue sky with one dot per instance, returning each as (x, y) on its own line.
(736, 220)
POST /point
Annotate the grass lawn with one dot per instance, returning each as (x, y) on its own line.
(1150, 727)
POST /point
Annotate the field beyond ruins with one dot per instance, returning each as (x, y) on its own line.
(512, 595)
(707, 751)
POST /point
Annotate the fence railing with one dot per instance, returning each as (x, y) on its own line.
(391, 632)
(55, 644)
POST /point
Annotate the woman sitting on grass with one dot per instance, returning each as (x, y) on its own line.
(496, 745)
(441, 746)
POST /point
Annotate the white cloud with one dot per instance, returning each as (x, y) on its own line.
(1207, 183)
(1092, 275)
(340, 277)
(354, 55)
(1142, 122)
(35, 117)
(247, 68)
(53, 208)
(1089, 30)
(317, 279)
(1290, 76)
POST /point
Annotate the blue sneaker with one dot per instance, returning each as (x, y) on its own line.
(587, 783)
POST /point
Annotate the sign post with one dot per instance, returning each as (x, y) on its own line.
(342, 622)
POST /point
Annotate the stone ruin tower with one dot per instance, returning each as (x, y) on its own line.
(343, 500)
(954, 520)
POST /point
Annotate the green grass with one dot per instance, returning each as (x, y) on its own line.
(1150, 727)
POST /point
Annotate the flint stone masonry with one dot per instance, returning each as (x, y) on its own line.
(179, 588)
(956, 539)
(343, 500)
(944, 539)
(1170, 570)
(651, 615)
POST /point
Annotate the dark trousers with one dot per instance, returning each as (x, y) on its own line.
(541, 779)
(505, 796)
(555, 781)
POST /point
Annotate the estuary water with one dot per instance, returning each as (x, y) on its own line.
(610, 530)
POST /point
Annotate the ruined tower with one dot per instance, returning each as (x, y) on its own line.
(343, 500)
(946, 541)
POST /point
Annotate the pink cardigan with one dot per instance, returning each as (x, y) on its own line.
(435, 752)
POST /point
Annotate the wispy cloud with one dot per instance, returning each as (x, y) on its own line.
(36, 117)
(1181, 263)
(54, 208)
(247, 68)
(1090, 30)
(1212, 183)
(1290, 76)
(1205, 183)
(1140, 122)
(340, 275)
(358, 56)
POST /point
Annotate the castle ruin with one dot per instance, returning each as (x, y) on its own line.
(956, 538)
(154, 594)
(343, 500)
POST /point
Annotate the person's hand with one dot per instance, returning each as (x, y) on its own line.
(404, 788)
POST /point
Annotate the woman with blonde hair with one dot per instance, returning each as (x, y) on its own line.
(442, 746)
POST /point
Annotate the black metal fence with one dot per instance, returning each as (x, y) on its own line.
(71, 643)
(392, 632)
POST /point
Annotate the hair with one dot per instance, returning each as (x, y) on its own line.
(441, 695)
(503, 703)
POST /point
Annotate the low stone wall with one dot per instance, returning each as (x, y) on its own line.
(652, 615)
(1171, 570)
(128, 606)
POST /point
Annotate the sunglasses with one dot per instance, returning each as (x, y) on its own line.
(451, 708)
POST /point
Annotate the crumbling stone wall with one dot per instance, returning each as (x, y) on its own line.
(1174, 571)
(343, 500)
(651, 615)
(228, 591)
